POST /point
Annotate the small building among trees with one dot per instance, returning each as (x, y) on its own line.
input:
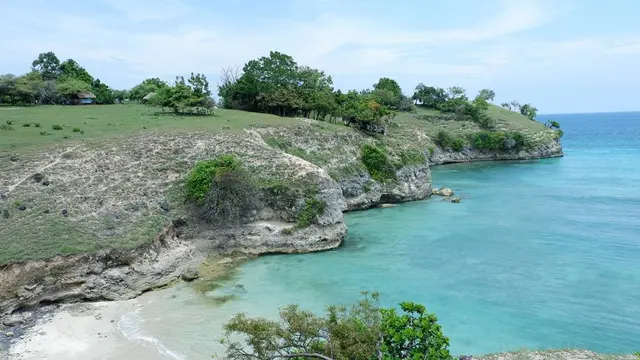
(86, 98)
(148, 97)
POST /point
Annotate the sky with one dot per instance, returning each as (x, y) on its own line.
(562, 56)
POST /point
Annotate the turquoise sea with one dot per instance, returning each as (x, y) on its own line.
(539, 254)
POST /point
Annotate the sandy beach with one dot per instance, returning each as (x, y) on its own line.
(84, 331)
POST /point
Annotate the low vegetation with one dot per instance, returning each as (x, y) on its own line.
(222, 190)
(447, 141)
(377, 163)
(308, 215)
(364, 331)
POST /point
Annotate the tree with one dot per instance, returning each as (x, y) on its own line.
(48, 93)
(389, 85)
(8, 87)
(429, 96)
(70, 87)
(415, 334)
(363, 332)
(120, 95)
(487, 94)
(506, 106)
(47, 65)
(552, 124)
(104, 95)
(192, 96)
(70, 69)
(515, 105)
(28, 87)
(146, 87)
(529, 111)
(456, 92)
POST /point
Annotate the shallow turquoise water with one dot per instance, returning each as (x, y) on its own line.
(539, 254)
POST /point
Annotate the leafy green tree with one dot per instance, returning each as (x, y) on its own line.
(487, 94)
(120, 95)
(187, 97)
(529, 111)
(104, 94)
(48, 93)
(363, 332)
(389, 85)
(70, 69)
(146, 87)
(429, 96)
(47, 65)
(506, 106)
(8, 87)
(515, 105)
(28, 87)
(552, 124)
(456, 92)
(414, 334)
(69, 88)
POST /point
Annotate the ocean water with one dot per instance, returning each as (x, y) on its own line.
(539, 254)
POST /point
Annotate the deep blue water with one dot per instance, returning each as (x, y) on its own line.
(539, 254)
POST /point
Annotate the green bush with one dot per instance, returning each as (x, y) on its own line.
(56, 127)
(447, 141)
(377, 162)
(412, 157)
(26, 124)
(221, 190)
(431, 151)
(312, 209)
(498, 140)
(9, 122)
(200, 179)
(36, 124)
(44, 133)
(76, 129)
(5, 127)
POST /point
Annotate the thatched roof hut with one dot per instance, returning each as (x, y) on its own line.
(86, 95)
(148, 96)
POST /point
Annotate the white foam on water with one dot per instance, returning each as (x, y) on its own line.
(129, 326)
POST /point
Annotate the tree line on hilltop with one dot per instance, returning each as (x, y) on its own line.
(274, 84)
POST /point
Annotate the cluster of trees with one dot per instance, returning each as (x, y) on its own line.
(454, 100)
(363, 332)
(183, 97)
(51, 81)
(527, 110)
(278, 85)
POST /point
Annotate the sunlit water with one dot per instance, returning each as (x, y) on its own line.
(539, 254)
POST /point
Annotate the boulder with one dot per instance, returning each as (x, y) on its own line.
(386, 206)
(443, 191)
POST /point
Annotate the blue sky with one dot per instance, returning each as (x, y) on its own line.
(562, 56)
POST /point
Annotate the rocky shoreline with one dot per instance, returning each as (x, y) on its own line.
(28, 288)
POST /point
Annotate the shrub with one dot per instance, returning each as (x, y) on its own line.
(287, 231)
(56, 127)
(377, 162)
(498, 140)
(221, 189)
(412, 157)
(9, 122)
(76, 129)
(44, 133)
(66, 137)
(312, 209)
(5, 127)
(446, 141)
(26, 124)
(431, 151)
(36, 124)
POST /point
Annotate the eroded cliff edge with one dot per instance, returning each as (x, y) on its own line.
(112, 222)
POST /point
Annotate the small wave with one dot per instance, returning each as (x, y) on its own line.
(129, 326)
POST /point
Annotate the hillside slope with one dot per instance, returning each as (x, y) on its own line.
(98, 212)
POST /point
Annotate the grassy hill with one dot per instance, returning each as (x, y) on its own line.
(81, 179)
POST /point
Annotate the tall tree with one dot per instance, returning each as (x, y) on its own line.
(390, 85)
(487, 94)
(8, 87)
(515, 105)
(456, 92)
(70, 69)
(70, 87)
(47, 65)
(506, 106)
(28, 87)
(529, 111)
(147, 86)
(429, 96)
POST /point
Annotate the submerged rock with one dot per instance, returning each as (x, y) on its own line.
(386, 206)
(443, 191)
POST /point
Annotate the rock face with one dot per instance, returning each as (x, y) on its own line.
(545, 150)
(361, 192)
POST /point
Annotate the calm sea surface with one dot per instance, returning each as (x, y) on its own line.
(539, 254)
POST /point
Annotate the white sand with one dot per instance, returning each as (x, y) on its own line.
(84, 331)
